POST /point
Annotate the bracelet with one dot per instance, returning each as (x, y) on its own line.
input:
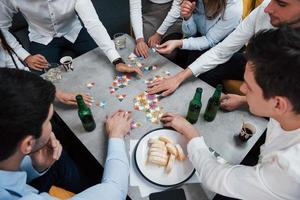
(118, 61)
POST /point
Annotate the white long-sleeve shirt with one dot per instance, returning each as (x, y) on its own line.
(212, 30)
(50, 19)
(114, 185)
(136, 16)
(276, 176)
(222, 52)
(6, 60)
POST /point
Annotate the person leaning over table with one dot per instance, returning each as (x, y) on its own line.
(54, 26)
(9, 59)
(32, 159)
(272, 88)
(270, 14)
(205, 24)
(153, 21)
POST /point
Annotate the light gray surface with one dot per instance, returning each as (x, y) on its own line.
(95, 67)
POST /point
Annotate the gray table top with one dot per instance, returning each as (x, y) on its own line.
(95, 67)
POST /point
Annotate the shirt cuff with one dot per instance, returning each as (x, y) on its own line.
(196, 143)
(112, 55)
(116, 144)
(22, 53)
(196, 68)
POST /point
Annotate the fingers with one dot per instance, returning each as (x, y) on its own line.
(224, 97)
(142, 49)
(138, 71)
(167, 92)
(154, 83)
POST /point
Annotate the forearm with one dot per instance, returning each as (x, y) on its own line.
(136, 18)
(171, 18)
(95, 28)
(183, 75)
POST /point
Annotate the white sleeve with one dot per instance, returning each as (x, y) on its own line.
(223, 27)
(238, 181)
(7, 11)
(95, 28)
(136, 18)
(223, 51)
(171, 18)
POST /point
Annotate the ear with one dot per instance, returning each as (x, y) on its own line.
(27, 144)
(281, 105)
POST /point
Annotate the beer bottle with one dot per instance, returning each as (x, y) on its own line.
(85, 114)
(195, 107)
(213, 104)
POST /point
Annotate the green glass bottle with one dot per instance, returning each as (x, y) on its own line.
(85, 115)
(213, 104)
(195, 107)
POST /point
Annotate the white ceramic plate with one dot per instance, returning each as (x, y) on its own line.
(181, 171)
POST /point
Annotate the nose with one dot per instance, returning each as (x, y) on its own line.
(269, 9)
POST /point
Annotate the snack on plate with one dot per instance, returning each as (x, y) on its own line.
(170, 163)
(172, 149)
(181, 155)
(166, 139)
(163, 152)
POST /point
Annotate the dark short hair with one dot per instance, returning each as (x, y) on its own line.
(275, 55)
(25, 99)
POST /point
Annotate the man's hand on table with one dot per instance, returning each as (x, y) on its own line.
(47, 155)
(169, 46)
(141, 48)
(231, 102)
(118, 124)
(70, 98)
(154, 40)
(36, 62)
(121, 67)
(180, 124)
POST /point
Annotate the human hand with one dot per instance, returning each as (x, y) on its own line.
(166, 86)
(169, 46)
(231, 102)
(121, 67)
(36, 62)
(180, 124)
(47, 155)
(154, 40)
(118, 124)
(69, 98)
(141, 48)
(187, 8)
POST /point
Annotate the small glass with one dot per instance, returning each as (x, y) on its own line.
(247, 131)
(120, 40)
(66, 62)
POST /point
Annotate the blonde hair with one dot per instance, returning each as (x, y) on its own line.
(214, 8)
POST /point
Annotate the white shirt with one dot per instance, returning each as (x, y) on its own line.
(256, 21)
(212, 30)
(6, 61)
(276, 176)
(136, 16)
(50, 19)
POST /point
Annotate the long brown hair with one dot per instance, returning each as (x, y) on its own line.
(214, 8)
(6, 47)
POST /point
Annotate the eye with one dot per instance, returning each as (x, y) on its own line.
(281, 3)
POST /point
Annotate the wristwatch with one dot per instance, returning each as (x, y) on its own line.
(118, 61)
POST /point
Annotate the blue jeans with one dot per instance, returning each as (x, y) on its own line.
(63, 173)
(53, 51)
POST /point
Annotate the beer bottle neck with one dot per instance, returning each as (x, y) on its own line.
(217, 93)
(80, 102)
(198, 95)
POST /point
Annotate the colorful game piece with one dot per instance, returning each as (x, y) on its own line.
(90, 85)
(134, 125)
(132, 56)
(102, 104)
(121, 97)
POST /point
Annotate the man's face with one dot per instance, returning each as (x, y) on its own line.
(284, 12)
(254, 94)
(46, 131)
